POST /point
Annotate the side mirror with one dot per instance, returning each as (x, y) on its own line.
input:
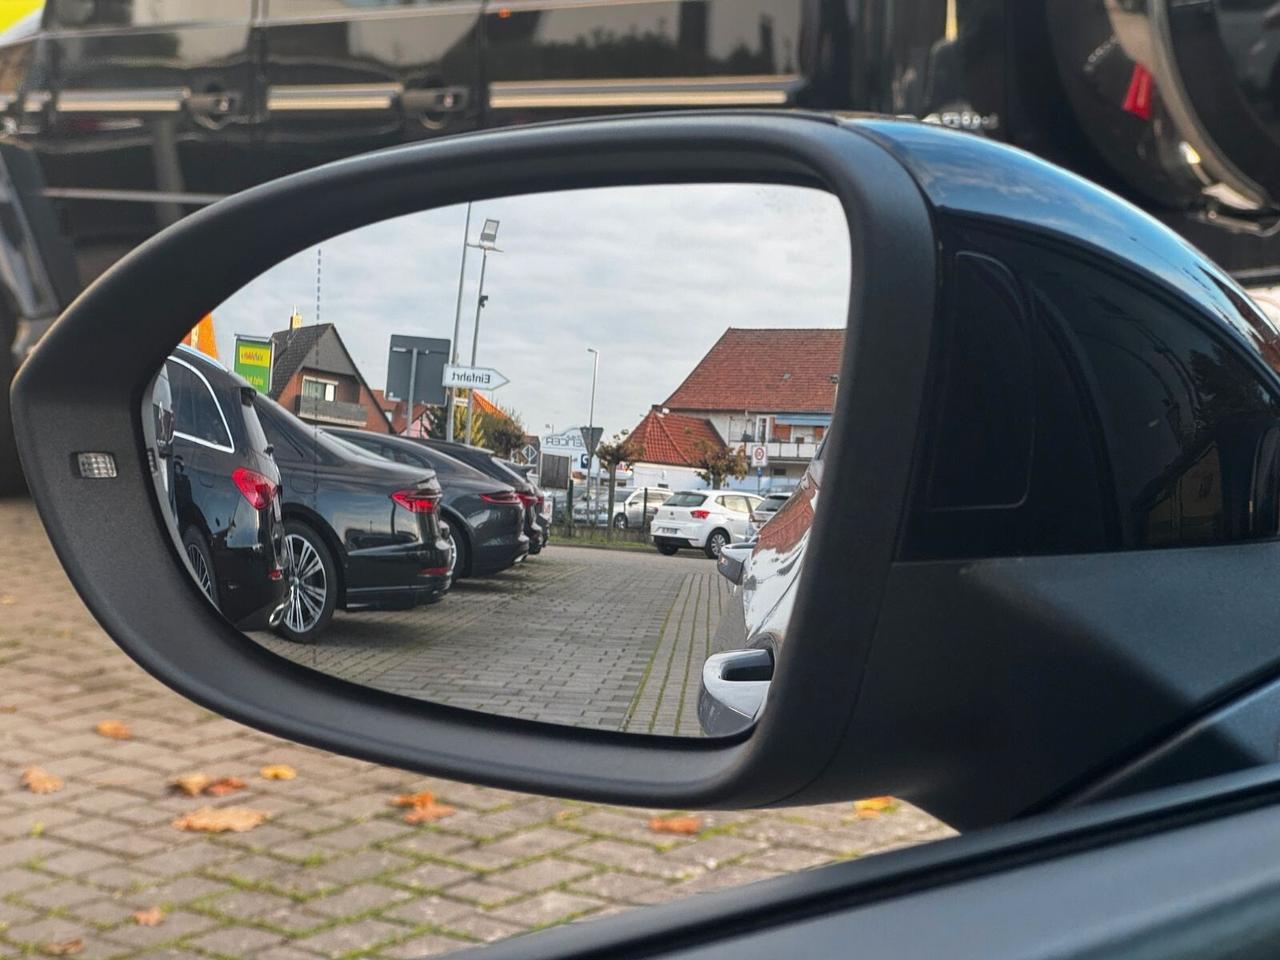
(1022, 555)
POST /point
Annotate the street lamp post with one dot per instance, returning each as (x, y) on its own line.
(451, 399)
(591, 430)
(487, 244)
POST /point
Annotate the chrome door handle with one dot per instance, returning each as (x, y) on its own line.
(436, 100)
(734, 687)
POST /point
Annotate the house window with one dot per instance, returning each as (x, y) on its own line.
(319, 389)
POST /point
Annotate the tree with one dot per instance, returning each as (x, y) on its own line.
(612, 454)
(715, 462)
(437, 432)
(504, 431)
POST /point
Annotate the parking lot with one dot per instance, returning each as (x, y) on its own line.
(334, 872)
(610, 639)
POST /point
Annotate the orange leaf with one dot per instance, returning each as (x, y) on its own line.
(151, 917)
(872, 807)
(192, 784)
(215, 820)
(682, 825)
(114, 729)
(223, 786)
(41, 781)
(429, 811)
(63, 948)
(278, 771)
(424, 799)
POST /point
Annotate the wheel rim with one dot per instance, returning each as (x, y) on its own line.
(201, 570)
(308, 585)
(620, 522)
(717, 543)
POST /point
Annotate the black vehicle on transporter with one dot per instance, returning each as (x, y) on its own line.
(359, 532)
(486, 516)
(119, 118)
(224, 490)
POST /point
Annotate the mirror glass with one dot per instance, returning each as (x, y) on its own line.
(550, 456)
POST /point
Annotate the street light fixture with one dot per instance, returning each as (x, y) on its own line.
(487, 245)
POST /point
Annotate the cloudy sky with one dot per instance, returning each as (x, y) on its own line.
(651, 276)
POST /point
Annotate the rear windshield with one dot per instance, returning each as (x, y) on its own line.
(686, 500)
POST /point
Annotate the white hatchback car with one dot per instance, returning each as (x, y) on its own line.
(705, 519)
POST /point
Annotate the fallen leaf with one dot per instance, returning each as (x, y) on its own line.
(7, 601)
(223, 786)
(872, 807)
(151, 917)
(278, 771)
(41, 781)
(114, 729)
(220, 820)
(423, 807)
(192, 784)
(8, 708)
(682, 825)
(63, 948)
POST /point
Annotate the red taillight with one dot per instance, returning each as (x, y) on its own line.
(276, 574)
(699, 514)
(506, 497)
(257, 489)
(529, 499)
(433, 571)
(415, 501)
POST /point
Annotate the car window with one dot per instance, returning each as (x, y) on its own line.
(197, 415)
(285, 450)
(686, 500)
(144, 13)
(257, 439)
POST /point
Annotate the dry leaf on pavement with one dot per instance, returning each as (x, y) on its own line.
(278, 771)
(220, 820)
(114, 729)
(874, 806)
(423, 807)
(223, 786)
(682, 825)
(192, 784)
(41, 781)
(63, 948)
(151, 917)
(7, 601)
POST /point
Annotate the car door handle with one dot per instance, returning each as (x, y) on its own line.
(215, 105)
(736, 681)
(436, 100)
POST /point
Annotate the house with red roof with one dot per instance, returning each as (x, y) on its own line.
(773, 386)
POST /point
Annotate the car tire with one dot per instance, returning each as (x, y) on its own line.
(313, 594)
(620, 522)
(461, 554)
(716, 542)
(12, 483)
(668, 549)
(201, 559)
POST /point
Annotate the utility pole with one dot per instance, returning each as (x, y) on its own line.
(487, 244)
(451, 400)
(591, 431)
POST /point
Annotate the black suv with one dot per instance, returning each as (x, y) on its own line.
(223, 491)
(118, 117)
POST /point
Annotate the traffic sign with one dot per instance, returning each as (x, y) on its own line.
(759, 455)
(479, 378)
(591, 437)
(413, 366)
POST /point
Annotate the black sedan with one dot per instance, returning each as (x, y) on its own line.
(222, 489)
(359, 532)
(485, 515)
(483, 460)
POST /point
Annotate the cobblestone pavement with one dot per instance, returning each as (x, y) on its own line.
(610, 639)
(334, 872)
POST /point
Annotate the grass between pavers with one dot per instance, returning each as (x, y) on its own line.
(600, 543)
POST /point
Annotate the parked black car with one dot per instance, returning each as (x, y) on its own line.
(486, 516)
(122, 117)
(542, 507)
(223, 490)
(359, 532)
(483, 460)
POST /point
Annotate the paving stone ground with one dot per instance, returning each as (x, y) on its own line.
(334, 872)
(611, 639)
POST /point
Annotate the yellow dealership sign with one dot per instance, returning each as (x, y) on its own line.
(253, 361)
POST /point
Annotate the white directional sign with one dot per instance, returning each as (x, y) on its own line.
(481, 378)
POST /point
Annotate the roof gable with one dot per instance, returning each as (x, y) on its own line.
(672, 439)
(769, 370)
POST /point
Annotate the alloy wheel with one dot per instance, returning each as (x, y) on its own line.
(308, 585)
(201, 570)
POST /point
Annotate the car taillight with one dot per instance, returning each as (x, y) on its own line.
(507, 497)
(256, 488)
(415, 501)
(528, 499)
(699, 514)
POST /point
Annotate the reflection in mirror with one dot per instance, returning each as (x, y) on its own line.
(550, 456)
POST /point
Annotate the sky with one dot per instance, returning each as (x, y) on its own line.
(648, 275)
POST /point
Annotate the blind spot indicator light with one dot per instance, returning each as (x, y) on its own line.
(96, 466)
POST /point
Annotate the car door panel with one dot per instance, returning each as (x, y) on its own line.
(344, 76)
(556, 58)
